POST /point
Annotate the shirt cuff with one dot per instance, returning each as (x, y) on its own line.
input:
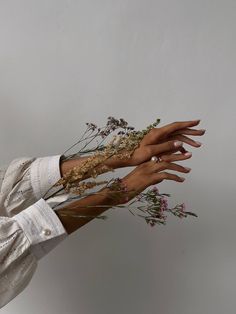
(41, 224)
(44, 173)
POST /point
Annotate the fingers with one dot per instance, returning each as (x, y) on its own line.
(173, 145)
(159, 177)
(159, 166)
(157, 173)
(176, 157)
(175, 126)
(180, 148)
(186, 140)
(157, 134)
(165, 147)
(187, 131)
(149, 173)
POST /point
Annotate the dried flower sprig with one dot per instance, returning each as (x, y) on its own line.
(154, 211)
(122, 145)
(157, 207)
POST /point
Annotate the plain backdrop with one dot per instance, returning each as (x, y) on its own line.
(67, 62)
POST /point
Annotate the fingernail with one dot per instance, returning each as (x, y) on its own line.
(198, 143)
(182, 178)
(187, 168)
(178, 143)
(188, 154)
(203, 130)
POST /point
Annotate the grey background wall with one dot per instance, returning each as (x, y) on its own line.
(65, 63)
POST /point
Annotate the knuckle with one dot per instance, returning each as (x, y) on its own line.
(149, 150)
(159, 131)
(166, 159)
(163, 175)
(163, 165)
(153, 178)
(156, 178)
(152, 132)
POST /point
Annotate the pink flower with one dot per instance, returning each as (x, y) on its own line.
(155, 190)
(163, 204)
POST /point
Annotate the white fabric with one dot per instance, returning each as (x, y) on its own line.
(29, 228)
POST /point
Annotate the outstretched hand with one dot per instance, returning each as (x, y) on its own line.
(165, 140)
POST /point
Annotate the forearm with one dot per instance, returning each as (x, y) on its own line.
(105, 198)
(67, 165)
(98, 203)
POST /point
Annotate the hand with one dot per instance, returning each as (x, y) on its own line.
(160, 140)
(150, 173)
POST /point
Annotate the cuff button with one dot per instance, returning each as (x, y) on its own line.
(46, 232)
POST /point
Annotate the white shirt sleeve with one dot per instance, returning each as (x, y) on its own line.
(26, 180)
(29, 228)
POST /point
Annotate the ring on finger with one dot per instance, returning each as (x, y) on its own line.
(156, 159)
